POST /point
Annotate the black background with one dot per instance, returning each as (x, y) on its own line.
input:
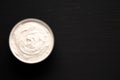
(87, 42)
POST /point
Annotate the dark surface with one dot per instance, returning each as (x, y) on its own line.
(87, 41)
